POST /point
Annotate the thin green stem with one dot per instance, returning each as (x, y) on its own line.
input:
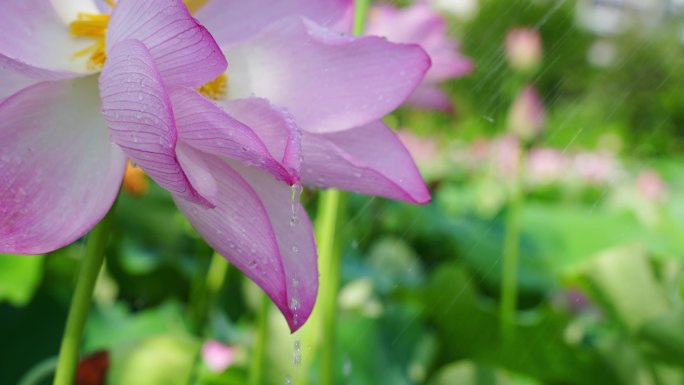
(360, 16)
(256, 368)
(80, 304)
(205, 296)
(511, 253)
(331, 207)
(216, 276)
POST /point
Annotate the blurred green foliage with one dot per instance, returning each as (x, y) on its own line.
(600, 278)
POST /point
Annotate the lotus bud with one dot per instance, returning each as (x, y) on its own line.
(524, 49)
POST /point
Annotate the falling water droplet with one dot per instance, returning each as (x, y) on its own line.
(296, 190)
(297, 354)
(347, 367)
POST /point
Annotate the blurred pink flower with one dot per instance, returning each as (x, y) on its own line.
(422, 149)
(595, 167)
(546, 165)
(505, 154)
(420, 24)
(526, 117)
(523, 49)
(217, 356)
(651, 186)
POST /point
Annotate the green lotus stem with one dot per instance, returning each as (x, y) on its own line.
(80, 303)
(511, 254)
(331, 208)
(204, 297)
(360, 16)
(257, 365)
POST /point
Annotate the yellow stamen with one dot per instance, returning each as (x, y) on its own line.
(111, 3)
(92, 27)
(135, 181)
(216, 89)
(194, 5)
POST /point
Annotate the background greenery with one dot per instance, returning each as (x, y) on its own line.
(601, 263)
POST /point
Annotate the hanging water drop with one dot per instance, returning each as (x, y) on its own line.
(296, 190)
(297, 354)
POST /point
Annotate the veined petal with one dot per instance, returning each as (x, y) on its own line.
(231, 21)
(59, 174)
(16, 75)
(140, 117)
(205, 126)
(368, 160)
(275, 127)
(252, 225)
(327, 81)
(183, 51)
(34, 34)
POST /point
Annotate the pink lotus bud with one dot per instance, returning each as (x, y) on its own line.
(524, 49)
(651, 186)
(217, 356)
(526, 118)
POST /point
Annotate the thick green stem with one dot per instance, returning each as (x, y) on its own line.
(256, 368)
(511, 251)
(331, 207)
(80, 304)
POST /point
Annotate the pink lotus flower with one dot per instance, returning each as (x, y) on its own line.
(546, 165)
(595, 168)
(298, 103)
(336, 87)
(217, 356)
(420, 24)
